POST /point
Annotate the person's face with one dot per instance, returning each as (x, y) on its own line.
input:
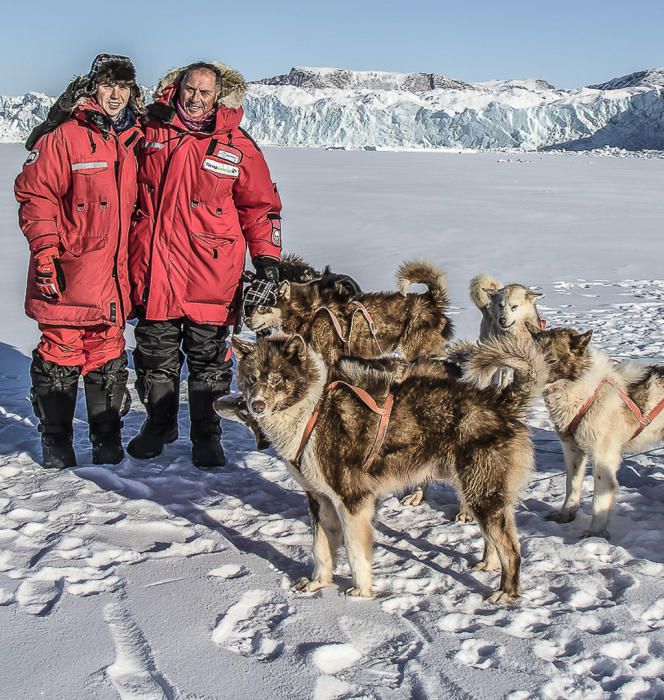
(113, 97)
(198, 92)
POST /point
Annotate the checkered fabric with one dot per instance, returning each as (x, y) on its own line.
(260, 293)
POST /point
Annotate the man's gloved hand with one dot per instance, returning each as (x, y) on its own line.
(49, 278)
(267, 268)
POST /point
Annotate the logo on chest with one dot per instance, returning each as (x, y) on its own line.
(214, 166)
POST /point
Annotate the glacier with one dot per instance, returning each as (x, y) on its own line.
(337, 108)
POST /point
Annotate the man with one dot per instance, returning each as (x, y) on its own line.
(77, 193)
(205, 193)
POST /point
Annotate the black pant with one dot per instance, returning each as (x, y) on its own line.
(161, 347)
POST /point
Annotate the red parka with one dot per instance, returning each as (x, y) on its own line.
(77, 191)
(203, 197)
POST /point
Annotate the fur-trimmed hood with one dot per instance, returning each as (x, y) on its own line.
(233, 85)
(78, 94)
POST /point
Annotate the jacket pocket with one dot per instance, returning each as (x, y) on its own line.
(89, 231)
(214, 267)
(215, 181)
(213, 242)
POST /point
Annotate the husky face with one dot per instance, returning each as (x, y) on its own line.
(264, 317)
(273, 374)
(512, 305)
(566, 351)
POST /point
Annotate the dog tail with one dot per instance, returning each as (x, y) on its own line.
(424, 272)
(478, 289)
(482, 363)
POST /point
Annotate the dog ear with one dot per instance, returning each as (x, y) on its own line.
(490, 291)
(531, 294)
(532, 329)
(580, 340)
(284, 290)
(241, 347)
(296, 348)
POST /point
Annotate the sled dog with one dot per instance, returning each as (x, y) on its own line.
(600, 410)
(371, 325)
(505, 309)
(330, 285)
(466, 432)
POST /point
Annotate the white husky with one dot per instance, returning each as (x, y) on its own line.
(600, 410)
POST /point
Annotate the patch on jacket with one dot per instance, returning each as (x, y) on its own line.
(153, 144)
(276, 232)
(229, 154)
(32, 156)
(220, 168)
(92, 165)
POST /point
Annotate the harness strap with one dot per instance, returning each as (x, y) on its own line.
(644, 421)
(383, 411)
(308, 429)
(335, 323)
(337, 326)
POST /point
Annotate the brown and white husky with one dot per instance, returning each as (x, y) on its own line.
(466, 432)
(601, 410)
(414, 323)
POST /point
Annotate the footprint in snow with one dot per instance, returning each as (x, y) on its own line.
(39, 596)
(229, 571)
(479, 654)
(247, 627)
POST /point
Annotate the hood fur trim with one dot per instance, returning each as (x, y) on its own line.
(233, 85)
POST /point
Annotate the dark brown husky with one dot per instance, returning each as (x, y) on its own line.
(465, 432)
(372, 324)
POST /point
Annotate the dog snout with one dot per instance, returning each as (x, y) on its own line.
(258, 406)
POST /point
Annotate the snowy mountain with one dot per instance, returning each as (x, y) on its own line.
(330, 107)
(340, 79)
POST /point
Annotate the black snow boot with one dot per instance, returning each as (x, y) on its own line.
(108, 401)
(53, 397)
(161, 395)
(205, 433)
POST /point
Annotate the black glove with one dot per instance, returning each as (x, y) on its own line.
(267, 268)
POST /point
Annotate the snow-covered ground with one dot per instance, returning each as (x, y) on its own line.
(151, 580)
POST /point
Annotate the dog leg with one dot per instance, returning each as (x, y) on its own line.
(490, 559)
(358, 536)
(326, 542)
(575, 466)
(416, 497)
(499, 531)
(603, 496)
(464, 514)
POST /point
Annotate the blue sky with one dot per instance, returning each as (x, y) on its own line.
(567, 43)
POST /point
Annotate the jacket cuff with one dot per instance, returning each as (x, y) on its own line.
(45, 241)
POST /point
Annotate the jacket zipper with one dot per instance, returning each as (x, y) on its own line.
(117, 247)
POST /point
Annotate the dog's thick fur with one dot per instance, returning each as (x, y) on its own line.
(414, 323)
(505, 308)
(293, 268)
(466, 432)
(604, 433)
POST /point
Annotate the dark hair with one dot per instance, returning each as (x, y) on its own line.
(202, 65)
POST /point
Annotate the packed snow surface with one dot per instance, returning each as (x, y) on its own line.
(155, 580)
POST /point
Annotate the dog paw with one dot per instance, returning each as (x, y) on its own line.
(306, 585)
(413, 499)
(564, 516)
(502, 598)
(485, 566)
(464, 516)
(599, 533)
(357, 592)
